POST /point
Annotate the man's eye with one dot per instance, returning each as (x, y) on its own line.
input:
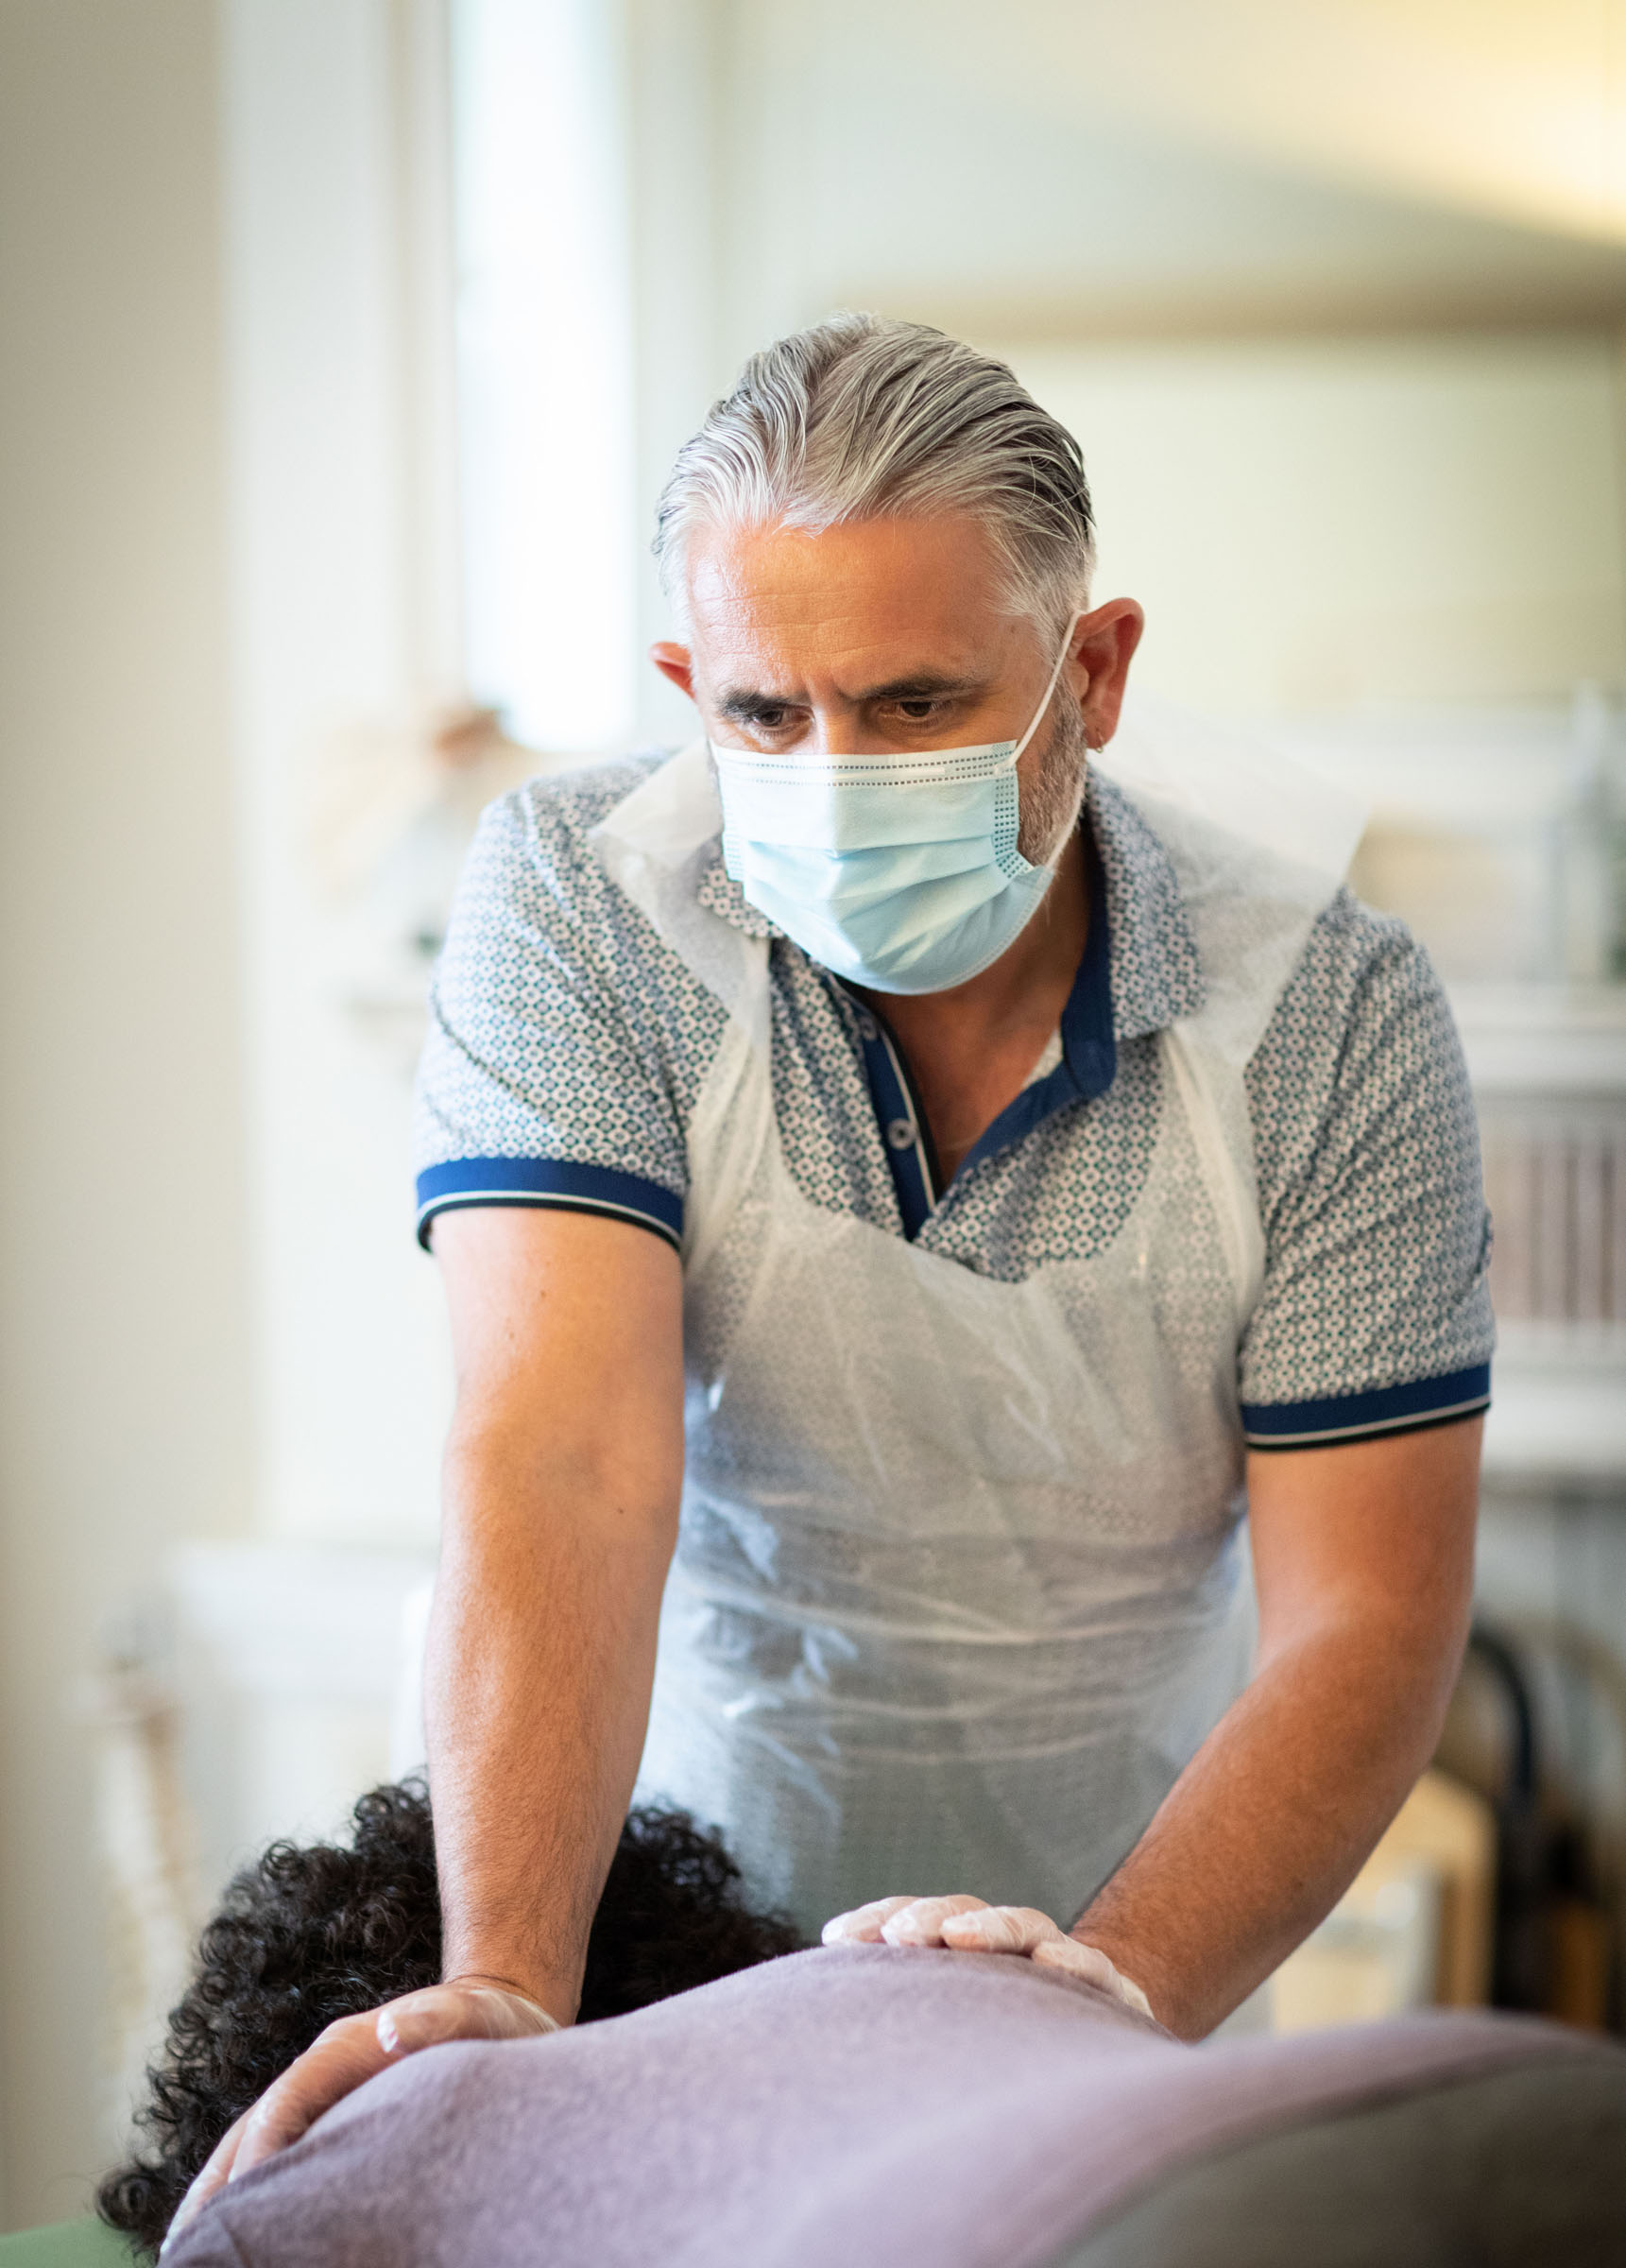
(921, 712)
(771, 720)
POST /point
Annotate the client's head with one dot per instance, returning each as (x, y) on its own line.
(308, 1935)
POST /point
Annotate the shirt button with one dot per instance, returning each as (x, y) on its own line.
(900, 1133)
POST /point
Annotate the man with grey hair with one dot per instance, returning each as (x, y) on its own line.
(898, 1174)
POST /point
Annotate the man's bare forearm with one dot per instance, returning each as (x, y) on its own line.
(563, 1475)
(1267, 1825)
(541, 1659)
(1363, 1556)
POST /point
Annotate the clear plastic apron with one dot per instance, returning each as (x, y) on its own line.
(957, 1590)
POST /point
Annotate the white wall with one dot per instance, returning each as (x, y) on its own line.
(1326, 524)
(124, 1416)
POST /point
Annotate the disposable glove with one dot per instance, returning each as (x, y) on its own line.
(342, 2058)
(969, 1925)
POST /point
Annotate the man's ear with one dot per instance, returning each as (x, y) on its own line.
(1104, 644)
(673, 663)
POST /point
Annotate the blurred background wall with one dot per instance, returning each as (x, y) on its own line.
(344, 345)
(123, 1280)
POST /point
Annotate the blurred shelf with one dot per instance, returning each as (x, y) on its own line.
(1548, 1069)
(1558, 1408)
(1561, 1041)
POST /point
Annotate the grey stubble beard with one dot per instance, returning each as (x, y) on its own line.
(1049, 812)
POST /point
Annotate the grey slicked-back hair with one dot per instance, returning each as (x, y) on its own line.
(859, 418)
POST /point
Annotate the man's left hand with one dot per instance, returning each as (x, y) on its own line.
(969, 1925)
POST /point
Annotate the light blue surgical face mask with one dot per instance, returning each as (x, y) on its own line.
(899, 872)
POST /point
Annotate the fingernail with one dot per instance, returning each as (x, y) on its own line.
(388, 2037)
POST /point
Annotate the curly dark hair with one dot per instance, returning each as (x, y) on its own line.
(309, 1934)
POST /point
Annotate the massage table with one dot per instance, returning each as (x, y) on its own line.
(860, 2104)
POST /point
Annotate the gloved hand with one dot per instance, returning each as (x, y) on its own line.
(968, 1925)
(350, 2051)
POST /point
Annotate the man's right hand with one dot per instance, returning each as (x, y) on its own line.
(347, 2055)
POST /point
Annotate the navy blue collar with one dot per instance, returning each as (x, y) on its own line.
(1088, 1063)
(1089, 1050)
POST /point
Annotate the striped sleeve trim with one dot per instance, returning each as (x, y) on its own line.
(557, 1181)
(1353, 1417)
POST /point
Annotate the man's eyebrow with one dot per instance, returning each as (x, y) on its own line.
(922, 685)
(740, 704)
(744, 706)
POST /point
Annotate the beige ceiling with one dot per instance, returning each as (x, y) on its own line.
(1513, 109)
(1136, 167)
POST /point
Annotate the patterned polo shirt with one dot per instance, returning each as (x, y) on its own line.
(568, 1045)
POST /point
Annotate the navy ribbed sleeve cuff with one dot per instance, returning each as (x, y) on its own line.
(1384, 1410)
(557, 1181)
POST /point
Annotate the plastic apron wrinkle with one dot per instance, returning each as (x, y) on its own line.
(957, 1585)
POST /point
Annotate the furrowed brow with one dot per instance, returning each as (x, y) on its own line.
(922, 685)
(743, 707)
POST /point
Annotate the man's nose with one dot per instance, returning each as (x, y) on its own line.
(838, 727)
(834, 729)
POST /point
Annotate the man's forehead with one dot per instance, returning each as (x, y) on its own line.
(890, 604)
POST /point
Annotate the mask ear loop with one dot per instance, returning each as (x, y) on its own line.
(1050, 689)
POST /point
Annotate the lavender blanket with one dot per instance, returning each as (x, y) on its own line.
(848, 2106)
